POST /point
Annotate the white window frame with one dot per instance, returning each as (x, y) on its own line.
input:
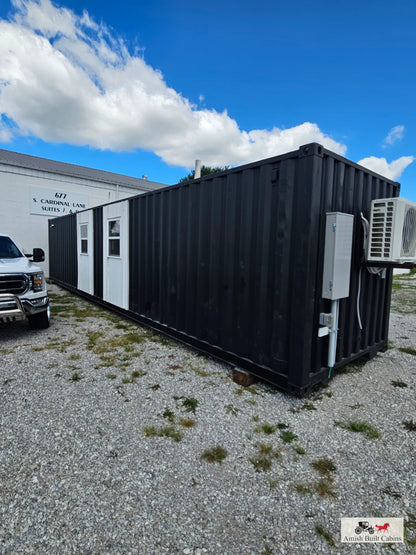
(113, 237)
(83, 239)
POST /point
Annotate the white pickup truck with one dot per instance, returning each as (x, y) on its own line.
(23, 293)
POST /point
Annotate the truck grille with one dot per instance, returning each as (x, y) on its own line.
(14, 283)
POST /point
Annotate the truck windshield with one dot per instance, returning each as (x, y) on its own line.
(8, 249)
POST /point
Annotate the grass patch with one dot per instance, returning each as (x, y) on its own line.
(215, 455)
(324, 466)
(262, 462)
(169, 415)
(187, 422)
(230, 409)
(410, 526)
(111, 376)
(167, 431)
(408, 350)
(76, 377)
(303, 489)
(287, 436)
(321, 531)
(359, 427)
(133, 376)
(266, 428)
(190, 404)
(325, 488)
(409, 425)
(299, 450)
(398, 383)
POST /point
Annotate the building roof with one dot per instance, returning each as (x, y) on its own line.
(27, 161)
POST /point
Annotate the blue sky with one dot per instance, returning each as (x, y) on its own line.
(145, 87)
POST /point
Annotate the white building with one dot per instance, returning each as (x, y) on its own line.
(34, 189)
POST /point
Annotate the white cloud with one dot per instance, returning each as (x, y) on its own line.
(392, 170)
(395, 134)
(65, 78)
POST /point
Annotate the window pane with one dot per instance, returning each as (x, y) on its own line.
(84, 246)
(114, 247)
(84, 231)
(114, 228)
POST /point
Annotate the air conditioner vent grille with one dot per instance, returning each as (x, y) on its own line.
(381, 229)
(392, 231)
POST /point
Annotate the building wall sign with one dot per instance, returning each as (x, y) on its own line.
(51, 202)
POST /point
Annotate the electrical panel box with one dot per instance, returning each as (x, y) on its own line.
(337, 255)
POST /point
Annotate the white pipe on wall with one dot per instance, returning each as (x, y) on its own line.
(333, 333)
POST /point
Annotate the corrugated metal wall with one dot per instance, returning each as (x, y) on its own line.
(232, 263)
(63, 265)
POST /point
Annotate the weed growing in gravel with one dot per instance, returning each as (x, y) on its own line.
(74, 356)
(359, 427)
(215, 454)
(320, 530)
(389, 491)
(299, 450)
(398, 383)
(230, 409)
(324, 488)
(303, 489)
(190, 404)
(169, 415)
(287, 436)
(324, 466)
(5, 351)
(410, 526)
(57, 344)
(266, 428)
(167, 431)
(249, 389)
(187, 422)
(410, 425)
(408, 350)
(273, 483)
(262, 462)
(76, 377)
(305, 406)
(111, 376)
(133, 376)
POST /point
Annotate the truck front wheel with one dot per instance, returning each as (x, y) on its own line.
(39, 321)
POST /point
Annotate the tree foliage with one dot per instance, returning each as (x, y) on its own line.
(205, 170)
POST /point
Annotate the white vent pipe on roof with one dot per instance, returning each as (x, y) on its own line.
(197, 169)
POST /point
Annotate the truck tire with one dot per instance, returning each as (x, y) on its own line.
(39, 321)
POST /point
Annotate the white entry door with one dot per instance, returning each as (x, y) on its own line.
(115, 254)
(85, 250)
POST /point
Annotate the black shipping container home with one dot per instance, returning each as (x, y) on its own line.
(233, 264)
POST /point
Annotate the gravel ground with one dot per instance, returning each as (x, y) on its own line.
(103, 424)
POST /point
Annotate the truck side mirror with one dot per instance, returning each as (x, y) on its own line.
(38, 255)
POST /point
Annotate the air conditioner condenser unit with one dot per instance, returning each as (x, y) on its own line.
(392, 233)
